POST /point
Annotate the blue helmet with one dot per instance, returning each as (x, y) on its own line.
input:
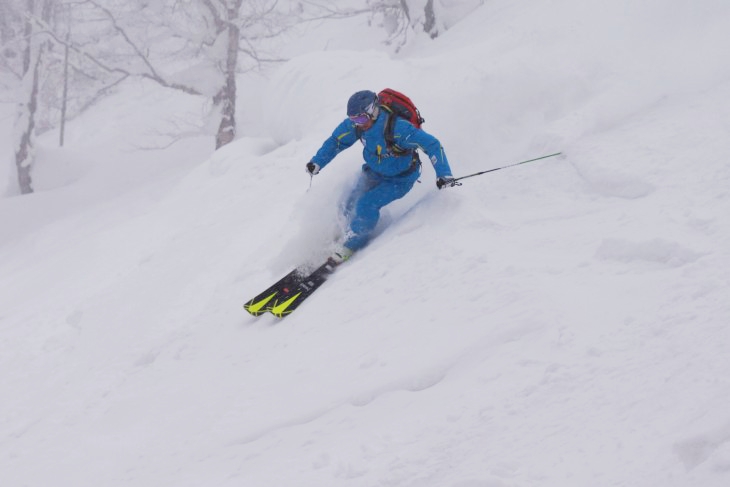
(362, 102)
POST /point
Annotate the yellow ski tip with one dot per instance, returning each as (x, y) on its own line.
(259, 307)
(280, 310)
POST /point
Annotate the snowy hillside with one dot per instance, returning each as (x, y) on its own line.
(562, 323)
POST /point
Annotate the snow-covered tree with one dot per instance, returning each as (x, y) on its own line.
(31, 52)
(401, 17)
(191, 45)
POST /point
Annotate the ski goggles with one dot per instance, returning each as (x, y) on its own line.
(361, 119)
(365, 117)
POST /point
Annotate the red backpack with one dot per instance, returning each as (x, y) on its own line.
(398, 105)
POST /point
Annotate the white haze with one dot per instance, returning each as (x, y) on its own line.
(562, 323)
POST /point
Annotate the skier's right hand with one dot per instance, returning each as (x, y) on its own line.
(312, 168)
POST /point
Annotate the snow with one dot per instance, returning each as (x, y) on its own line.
(559, 323)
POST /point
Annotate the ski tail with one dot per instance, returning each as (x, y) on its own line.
(286, 306)
(266, 299)
(286, 303)
(258, 307)
(285, 295)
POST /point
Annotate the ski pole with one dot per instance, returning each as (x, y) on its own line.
(504, 167)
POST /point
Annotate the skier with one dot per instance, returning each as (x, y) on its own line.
(389, 172)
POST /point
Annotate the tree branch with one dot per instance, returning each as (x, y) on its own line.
(153, 75)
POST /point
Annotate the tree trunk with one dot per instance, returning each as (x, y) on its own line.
(24, 153)
(406, 10)
(64, 100)
(430, 24)
(226, 97)
(25, 123)
(27, 33)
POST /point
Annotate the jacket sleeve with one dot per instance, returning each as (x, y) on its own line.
(343, 137)
(409, 137)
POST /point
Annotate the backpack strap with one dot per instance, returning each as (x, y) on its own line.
(389, 134)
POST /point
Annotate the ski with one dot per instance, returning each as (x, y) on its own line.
(288, 300)
(284, 296)
(262, 302)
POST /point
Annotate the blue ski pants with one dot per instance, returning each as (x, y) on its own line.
(371, 193)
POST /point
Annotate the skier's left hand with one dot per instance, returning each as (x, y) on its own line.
(446, 182)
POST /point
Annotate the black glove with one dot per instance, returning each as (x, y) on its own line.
(312, 168)
(446, 182)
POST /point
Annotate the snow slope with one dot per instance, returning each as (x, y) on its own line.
(560, 323)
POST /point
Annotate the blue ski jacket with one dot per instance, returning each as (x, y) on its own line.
(377, 158)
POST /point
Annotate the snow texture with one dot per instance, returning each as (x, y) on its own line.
(562, 323)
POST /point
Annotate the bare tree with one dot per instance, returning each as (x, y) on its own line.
(239, 27)
(399, 17)
(25, 126)
(212, 32)
(64, 99)
(225, 16)
(429, 23)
